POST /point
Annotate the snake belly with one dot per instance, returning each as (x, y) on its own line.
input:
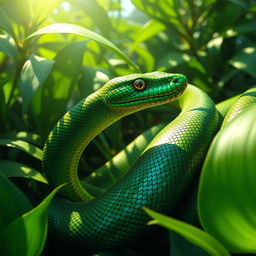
(157, 180)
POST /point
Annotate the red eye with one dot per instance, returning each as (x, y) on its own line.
(139, 84)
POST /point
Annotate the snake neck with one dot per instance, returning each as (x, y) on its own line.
(68, 140)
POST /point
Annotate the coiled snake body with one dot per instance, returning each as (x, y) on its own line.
(158, 178)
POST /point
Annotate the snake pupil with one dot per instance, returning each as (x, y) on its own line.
(174, 80)
(139, 84)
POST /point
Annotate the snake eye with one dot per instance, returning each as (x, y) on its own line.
(139, 84)
(174, 80)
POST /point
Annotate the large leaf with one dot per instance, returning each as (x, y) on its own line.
(26, 235)
(31, 138)
(145, 59)
(5, 22)
(163, 10)
(150, 29)
(18, 11)
(224, 12)
(245, 60)
(245, 26)
(191, 233)
(171, 60)
(78, 30)
(15, 169)
(34, 73)
(92, 79)
(96, 13)
(8, 46)
(13, 203)
(227, 188)
(50, 103)
(24, 146)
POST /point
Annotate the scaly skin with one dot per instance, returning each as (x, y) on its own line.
(156, 180)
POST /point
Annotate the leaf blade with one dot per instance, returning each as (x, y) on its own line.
(13, 202)
(30, 231)
(191, 233)
(24, 146)
(15, 169)
(78, 30)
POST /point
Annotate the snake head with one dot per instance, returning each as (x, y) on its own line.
(139, 91)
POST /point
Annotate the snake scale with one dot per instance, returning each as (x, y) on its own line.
(157, 179)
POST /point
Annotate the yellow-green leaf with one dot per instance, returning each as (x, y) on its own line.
(15, 169)
(13, 203)
(227, 188)
(24, 146)
(78, 30)
(26, 235)
(191, 233)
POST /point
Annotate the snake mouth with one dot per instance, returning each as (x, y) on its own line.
(175, 93)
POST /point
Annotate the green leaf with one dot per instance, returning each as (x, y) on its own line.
(172, 60)
(34, 73)
(13, 203)
(189, 232)
(27, 234)
(5, 22)
(24, 146)
(31, 138)
(200, 75)
(92, 79)
(15, 169)
(227, 188)
(245, 60)
(214, 58)
(98, 15)
(42, 9)
(8, 46)
(150, 29)
(19, 11)
(58, 87)
(145, 59)
(78, 30)
(245, 26)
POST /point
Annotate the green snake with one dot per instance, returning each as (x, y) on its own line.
(159, 177)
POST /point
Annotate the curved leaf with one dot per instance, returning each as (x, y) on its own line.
(150, 29)
(34, 73)
(24, 146)
(78, 30)
(8, 46)
(58, 87)
(97, 13)
(191, 233)
(227, 188)
(27, 234)
(5, 22)
(15, 169)
(13, 203)
(245, 60)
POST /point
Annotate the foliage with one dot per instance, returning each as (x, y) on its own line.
(54, 53)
